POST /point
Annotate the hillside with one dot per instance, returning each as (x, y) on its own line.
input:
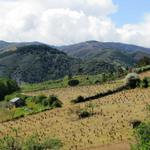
(112, 53)
(11, 46)
(35, 63)
(109, 124)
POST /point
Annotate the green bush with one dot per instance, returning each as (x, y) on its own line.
(135, 123)
(143, 137)
(132, 80)
(79, 99)
(39, 99)
(73, 82)
(10, 143)
(84, 114)
(7, 86)
(145, 82)
(54, 102)
(32, 143)
(51, 101)
(97, 82)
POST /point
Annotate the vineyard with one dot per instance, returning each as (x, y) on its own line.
(110, 121)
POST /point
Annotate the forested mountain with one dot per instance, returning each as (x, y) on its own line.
(114, 53)
(36, 62)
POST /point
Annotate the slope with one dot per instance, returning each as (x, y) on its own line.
(35, 63)
(114, 53)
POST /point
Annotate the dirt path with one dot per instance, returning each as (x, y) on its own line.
(119, 146)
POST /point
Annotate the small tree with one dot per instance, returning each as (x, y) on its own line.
(132, 80)
(54, 102)
(78, 99)
(145, 83)
(73, 82)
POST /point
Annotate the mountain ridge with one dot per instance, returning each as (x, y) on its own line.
(38, 62)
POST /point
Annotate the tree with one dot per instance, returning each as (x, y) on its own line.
(132, 80)
(7, 86)
(143, 62)
(145, 83)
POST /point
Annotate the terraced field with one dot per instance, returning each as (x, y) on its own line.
(109, 124)
(69, 93)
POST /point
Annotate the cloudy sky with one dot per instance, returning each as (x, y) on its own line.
(62, 22)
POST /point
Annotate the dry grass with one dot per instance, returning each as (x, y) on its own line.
(145, 74)
(69, 93)
(109, 124)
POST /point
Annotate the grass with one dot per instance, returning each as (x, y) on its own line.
(52, 84)
(83, 79)
(14, 113)
(30, 108)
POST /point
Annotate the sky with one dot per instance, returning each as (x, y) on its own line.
(130, 11)
(62, 22)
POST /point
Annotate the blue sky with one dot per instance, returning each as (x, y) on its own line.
(130, 11)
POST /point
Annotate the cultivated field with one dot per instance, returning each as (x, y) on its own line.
(109, 124)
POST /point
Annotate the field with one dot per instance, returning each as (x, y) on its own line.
(109, 124)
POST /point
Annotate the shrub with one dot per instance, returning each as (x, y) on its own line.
(7, 86)
(145, 83)
(10, 143)
(51, 101)
(132, 80)
(135, 123)
(54, 144)
(84, 114)
(32, 143)
(79, 99)
(54, 102)
(39, 99)
(45, 102)
(97, 82)
(143, 137)
(73, 82)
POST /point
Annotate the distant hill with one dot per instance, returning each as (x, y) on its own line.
(10, 46)
(113, 53)
(35, 63)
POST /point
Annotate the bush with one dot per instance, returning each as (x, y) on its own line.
(54, 102)
(73, 82)
(51, 101)
(79, 99)
(7, 86)
(135, 123)
(32, 143)
(97, 82)
(132, 80)
(84, 114)
(39, 99)
(143, 137)
(145, 83)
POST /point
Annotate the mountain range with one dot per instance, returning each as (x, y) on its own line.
(37, 62)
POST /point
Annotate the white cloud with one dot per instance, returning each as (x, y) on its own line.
(67, 21)
(136, 33)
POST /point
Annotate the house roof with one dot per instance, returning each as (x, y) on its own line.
(15, 100)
